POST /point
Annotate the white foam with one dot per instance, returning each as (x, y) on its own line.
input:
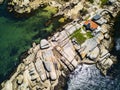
(88, 77)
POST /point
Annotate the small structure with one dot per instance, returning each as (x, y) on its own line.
(90, 25)
(101, 21)
(96, 17)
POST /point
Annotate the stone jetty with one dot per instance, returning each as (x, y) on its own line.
(49, 59)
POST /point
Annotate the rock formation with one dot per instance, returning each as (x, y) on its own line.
(48, 60)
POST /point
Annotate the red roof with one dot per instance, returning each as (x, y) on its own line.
(92, 24)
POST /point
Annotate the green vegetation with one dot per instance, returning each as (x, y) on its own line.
(103, 2)
(62, 19)
(16, 36)
(81, 37)
(52, 10)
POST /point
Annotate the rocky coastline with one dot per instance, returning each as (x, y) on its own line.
(60, 54)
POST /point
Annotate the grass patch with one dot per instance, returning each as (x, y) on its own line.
(89, 35)
(81, 37)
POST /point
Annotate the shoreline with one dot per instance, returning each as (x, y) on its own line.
(34, 45)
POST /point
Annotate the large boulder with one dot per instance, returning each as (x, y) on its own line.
(44, 44)
(94, 54)
(40, 69)
(88, 46)
(51, 69)
(47, 65)
(107, 36)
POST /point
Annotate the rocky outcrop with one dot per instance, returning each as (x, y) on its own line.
(25, 6)
(46, 61)
(44, 65)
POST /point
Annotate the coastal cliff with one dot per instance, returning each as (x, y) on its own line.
(63, 52)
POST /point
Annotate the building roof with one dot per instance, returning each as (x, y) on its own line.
(91, 25)
(96, 17)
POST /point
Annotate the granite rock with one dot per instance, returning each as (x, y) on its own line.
(94, 54)
(44, 44)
